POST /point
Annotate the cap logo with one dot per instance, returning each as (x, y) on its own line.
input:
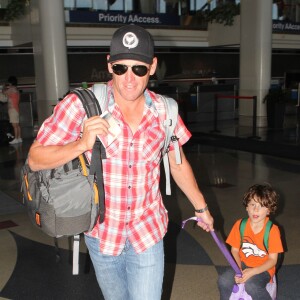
(130, 40)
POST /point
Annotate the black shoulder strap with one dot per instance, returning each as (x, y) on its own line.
(97, 170)
(92, 108)
(90, 105)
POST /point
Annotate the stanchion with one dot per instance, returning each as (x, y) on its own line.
(216, 115)
(254, 117)
(298, 114)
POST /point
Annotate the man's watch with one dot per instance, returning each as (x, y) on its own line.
(202, 210)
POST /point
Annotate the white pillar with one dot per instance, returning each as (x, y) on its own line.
(255, 58)
(50, 54)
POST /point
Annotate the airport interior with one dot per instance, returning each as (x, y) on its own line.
(221, 60)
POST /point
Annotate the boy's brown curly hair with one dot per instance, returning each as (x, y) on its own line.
(265, 195)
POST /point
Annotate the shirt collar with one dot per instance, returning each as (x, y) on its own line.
(149, 99)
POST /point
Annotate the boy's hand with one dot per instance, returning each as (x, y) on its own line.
(247, 273)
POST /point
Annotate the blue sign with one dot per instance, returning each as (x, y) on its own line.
(80, 16)
(286, 27)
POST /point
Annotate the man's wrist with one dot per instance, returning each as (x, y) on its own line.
(201, 210)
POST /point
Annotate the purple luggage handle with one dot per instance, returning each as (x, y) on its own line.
(221, 246)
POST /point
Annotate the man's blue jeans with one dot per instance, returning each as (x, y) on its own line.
(129, 276)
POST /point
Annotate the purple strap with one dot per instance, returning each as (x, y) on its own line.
(221, 246)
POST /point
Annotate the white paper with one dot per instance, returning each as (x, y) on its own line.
(114, 129)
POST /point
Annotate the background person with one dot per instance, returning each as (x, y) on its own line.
(13, 98)
(127, 248)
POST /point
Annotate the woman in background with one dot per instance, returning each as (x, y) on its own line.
(13, 98)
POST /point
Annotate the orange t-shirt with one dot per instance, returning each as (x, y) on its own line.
(253, 252)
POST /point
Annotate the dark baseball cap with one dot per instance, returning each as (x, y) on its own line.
(132, 42)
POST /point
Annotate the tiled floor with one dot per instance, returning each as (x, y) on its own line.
(28, 261)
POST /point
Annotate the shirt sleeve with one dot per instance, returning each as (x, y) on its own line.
(181, 132)
(65, 124)
(234, 237)
(275, 243)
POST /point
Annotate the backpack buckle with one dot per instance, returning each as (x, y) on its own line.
(174, 138)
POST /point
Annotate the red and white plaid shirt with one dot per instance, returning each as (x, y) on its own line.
(134, 206)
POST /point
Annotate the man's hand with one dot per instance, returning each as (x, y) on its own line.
(207, 221)
(92, 127)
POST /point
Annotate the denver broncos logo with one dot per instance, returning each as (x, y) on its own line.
(249, 248)
(130, 40)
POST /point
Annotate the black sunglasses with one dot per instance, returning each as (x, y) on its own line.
(138, 70)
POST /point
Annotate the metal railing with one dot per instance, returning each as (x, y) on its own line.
(254, 112)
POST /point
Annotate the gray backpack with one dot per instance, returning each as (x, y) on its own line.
(68, 200)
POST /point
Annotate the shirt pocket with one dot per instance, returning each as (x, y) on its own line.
(113, 149)
(153, 143)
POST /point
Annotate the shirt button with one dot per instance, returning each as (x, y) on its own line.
(130, 166)
(129, 187)
(128, 207)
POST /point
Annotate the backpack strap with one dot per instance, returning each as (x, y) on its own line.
(169, 123)
(76, 241)
(242, 229)
(100, 91)
(266, 234)
(92, 108)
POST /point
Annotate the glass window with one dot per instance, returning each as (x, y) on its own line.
(204, 4)
(100, 5)
(122, 5)
(3, 3)
(84, 3)
(275, 12)
(168, 6)
(129, 5)
(69, 4)
(116, 5)
(197, 4)
(161, 9)
(147, 7)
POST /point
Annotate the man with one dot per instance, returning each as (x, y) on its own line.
(127, 248)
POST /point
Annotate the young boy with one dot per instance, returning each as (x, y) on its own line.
(256, 262)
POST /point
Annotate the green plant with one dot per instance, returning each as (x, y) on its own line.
(222, 14)
(15, 9)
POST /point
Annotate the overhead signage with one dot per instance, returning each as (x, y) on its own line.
(286, 27)
(80, 16)
(103, 17)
